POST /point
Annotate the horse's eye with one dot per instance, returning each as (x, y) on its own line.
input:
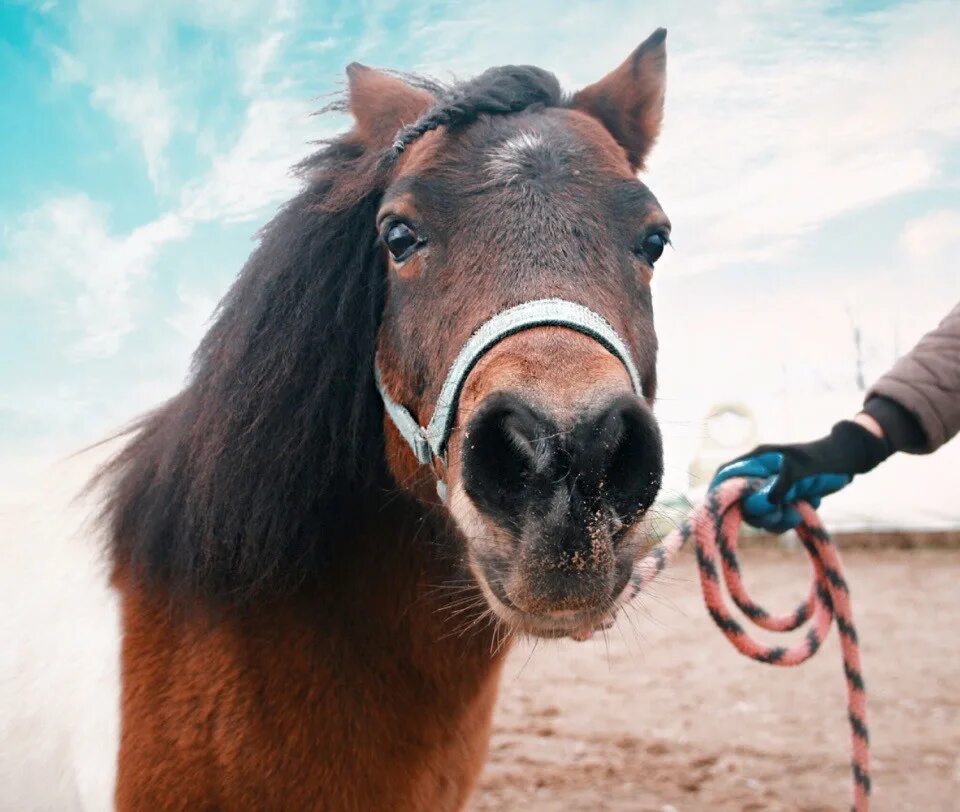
(651, 247)
(401, 241)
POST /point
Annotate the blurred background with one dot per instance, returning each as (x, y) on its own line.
(810, 164)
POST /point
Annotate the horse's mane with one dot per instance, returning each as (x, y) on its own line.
(244, 480)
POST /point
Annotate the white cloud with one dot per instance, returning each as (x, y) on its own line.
(255, 61)
(320, 45)
(254, 174)
(209, 14)
(763, 143)
(127, 53)
(932, 238)
(64, 252)
(146, 109)
(66, 67)
(192, 318)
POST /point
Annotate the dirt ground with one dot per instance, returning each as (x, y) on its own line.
(664, 715)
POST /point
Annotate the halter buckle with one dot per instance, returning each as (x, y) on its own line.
(439, 465)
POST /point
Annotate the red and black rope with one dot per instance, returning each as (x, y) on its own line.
(714, 528)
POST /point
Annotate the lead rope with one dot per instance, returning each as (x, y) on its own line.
(714, 527)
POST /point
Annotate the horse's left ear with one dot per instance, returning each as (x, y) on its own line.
(629, 100)
(381, 104)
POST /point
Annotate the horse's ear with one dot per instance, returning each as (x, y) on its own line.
(381, 104)
(629, 100)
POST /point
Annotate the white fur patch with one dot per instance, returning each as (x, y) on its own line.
(507, 160)
(467, 517)
(479, 533)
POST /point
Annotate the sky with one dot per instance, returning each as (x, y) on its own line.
(809, 163)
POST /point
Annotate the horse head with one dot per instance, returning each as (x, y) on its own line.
(441, 211)
(500, 194)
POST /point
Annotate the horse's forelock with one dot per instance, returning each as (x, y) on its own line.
(497, 91)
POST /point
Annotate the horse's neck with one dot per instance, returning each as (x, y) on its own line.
(362, 688)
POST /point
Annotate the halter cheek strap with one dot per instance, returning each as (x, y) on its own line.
(430, 441)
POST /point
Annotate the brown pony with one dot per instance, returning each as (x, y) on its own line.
(306, 624)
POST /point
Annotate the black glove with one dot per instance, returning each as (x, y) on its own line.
(803, 471)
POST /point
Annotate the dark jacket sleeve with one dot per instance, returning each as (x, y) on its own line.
(924, 388)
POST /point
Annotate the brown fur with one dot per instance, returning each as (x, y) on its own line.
(362, 697)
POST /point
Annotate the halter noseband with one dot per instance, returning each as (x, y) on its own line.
(430, 442)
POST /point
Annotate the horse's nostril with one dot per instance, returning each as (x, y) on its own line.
(514, 458)
(506, 446)
(621, 454)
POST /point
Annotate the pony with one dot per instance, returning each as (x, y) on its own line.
(303, 619)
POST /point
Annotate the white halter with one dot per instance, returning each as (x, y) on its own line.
(431, 441)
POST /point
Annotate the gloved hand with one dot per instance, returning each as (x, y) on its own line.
(803, 472)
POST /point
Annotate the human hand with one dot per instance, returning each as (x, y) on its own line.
(803, 472)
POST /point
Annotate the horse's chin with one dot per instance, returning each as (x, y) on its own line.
(579, 624)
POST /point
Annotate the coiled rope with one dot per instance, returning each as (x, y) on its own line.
(714, 527)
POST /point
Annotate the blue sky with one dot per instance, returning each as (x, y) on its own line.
(809, 163)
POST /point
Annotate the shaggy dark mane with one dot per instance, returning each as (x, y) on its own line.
(243, 481)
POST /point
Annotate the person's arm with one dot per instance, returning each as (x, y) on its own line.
(918, 401)
(914, 408)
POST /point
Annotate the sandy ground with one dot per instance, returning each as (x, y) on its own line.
(664, 715)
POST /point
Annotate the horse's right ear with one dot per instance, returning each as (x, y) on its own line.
(381, 104)
(628, 101)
